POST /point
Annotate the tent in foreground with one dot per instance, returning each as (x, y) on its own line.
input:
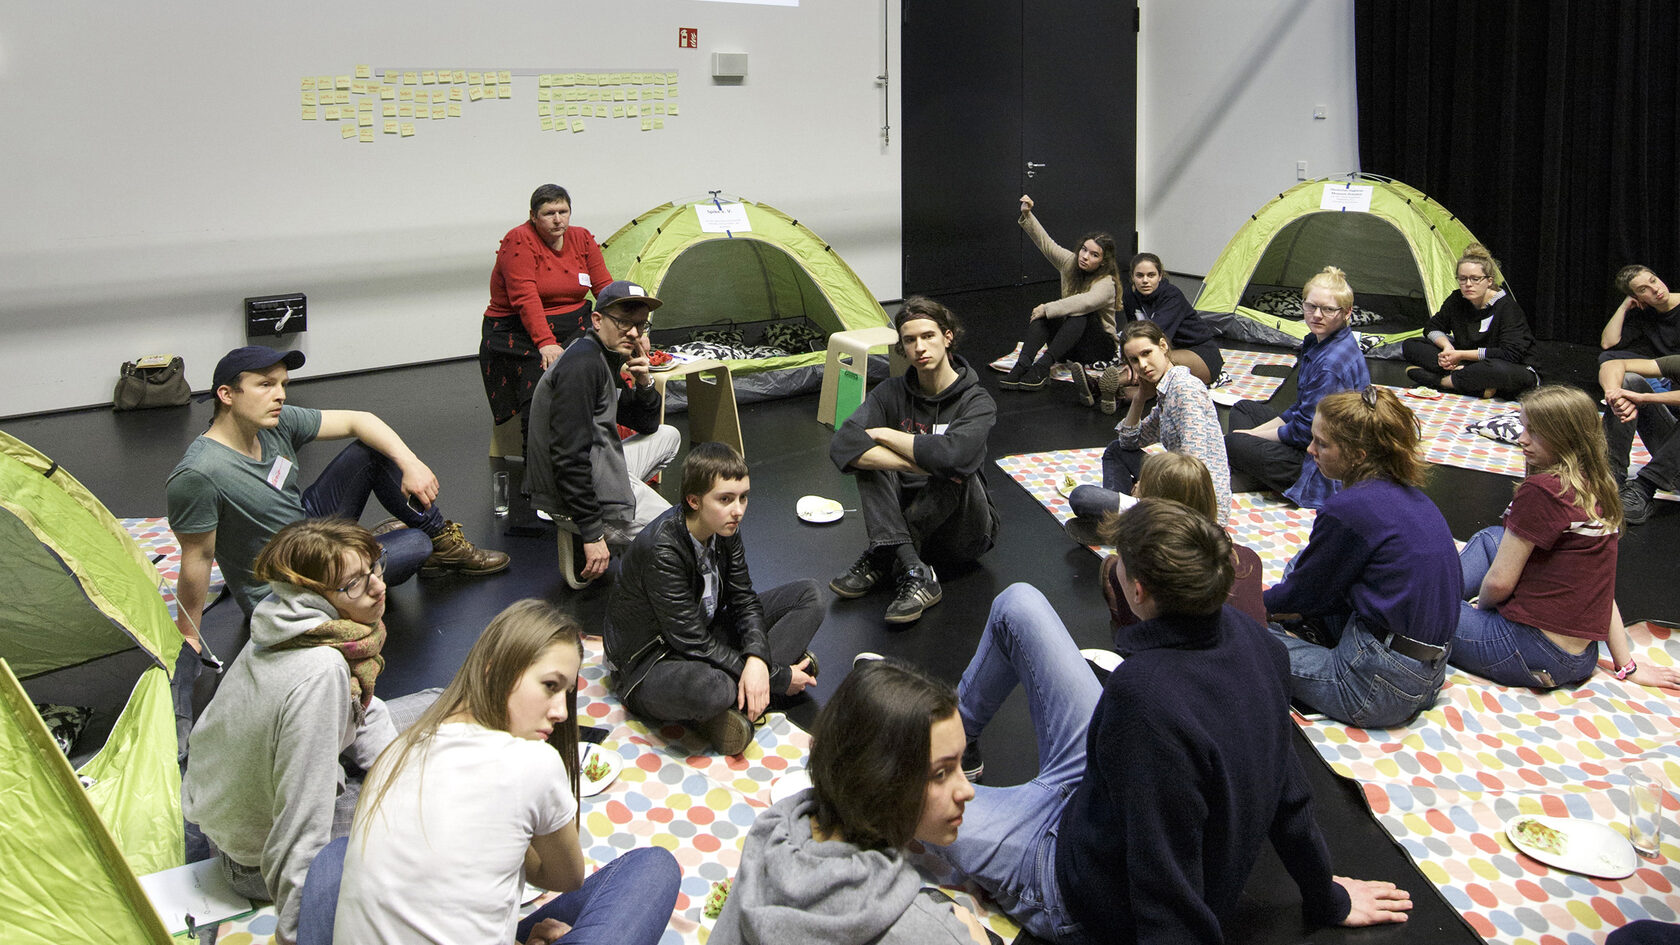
(76, 591)
(749, 278)
(1398, 247)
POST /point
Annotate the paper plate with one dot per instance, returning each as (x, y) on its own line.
(1579, 846)
(1066, 484)
(1424, 393)
(818, 510)
(789, 784)
(603, 761)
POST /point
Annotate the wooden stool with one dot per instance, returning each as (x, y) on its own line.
(848, 352)
(711, 401)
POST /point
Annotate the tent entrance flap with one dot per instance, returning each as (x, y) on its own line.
(739, 280)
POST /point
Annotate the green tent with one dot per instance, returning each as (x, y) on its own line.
(774, 269)
(75, 588)
(1398, 247)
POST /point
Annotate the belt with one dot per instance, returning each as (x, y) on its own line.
(1406, 646)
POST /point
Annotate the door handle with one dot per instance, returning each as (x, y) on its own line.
(1032, 168)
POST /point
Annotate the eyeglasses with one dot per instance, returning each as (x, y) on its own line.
(1471, 280)
(1309, 309)
(642, 327)
(356, 585)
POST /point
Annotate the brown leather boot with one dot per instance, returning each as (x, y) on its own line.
(451, 551)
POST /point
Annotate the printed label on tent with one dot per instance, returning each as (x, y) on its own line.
(1355, 197)
(730, 217)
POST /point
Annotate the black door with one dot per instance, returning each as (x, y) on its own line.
(1005, 97)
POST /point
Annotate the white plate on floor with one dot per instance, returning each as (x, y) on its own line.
(604, 762)
(1579, 846)
(789, 784)
(1066, 484)
(818, 510)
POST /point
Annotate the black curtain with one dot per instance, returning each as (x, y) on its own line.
(1550, 127)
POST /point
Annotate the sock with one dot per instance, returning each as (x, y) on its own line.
(905, 557)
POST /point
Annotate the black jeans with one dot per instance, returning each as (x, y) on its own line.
(946, 521)
(681, 690)
(1276, 465)
(1507, 378)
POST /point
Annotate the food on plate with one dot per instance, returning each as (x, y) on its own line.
(597, 768)
(1541, 837)
(661, 360)
(1427, 393)
(717, 897)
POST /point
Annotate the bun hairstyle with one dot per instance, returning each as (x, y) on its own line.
(1478, 255)
(1566, 420)
(1378, 433)
(1180, 556)
(1335, 282)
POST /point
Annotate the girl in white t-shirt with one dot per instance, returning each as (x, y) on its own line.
(479, 797)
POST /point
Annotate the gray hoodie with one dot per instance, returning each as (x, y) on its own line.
(792, 887)
(262, 770)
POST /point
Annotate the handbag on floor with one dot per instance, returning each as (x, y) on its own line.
(159, 380)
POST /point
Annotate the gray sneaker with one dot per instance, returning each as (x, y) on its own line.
(918, 589)
(1636, 505)
(859, 579)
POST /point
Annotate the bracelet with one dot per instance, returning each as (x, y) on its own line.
(1623, 672)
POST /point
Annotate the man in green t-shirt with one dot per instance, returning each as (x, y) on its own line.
(238, 484)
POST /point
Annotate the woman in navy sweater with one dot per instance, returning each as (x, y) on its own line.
(1478, 342)
(1379, 579)
(1157, 792)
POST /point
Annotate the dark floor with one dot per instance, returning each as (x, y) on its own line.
(440, 410)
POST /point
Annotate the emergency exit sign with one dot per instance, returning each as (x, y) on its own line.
(688, 37)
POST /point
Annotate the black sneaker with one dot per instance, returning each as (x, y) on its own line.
(1423, 377)
(1083, 531)
(1636, 505)
(810, 661)
(972, 766)
(1036, 377)
(858, 580)
(918, 589)
(1082, 384)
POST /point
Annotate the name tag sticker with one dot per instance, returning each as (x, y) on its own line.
(277, 474)
(940, 428)
(583, 278)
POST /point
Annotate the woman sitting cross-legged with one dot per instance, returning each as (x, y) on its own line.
(480, 797)
(688, 638)
(1079, 326)
(1479, 341)
(1182, 478)
(827, 864)
(1545, 580)
(1379, 579)
(1183, 420)
(1155, 793)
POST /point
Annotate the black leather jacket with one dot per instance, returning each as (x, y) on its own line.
(656, 612)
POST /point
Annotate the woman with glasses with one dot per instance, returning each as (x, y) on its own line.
(1273, 447)
(1079, 326)
(1378, 584)
(264, 775)
(546, 269)
(1478, 342)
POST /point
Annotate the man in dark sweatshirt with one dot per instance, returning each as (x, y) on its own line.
(1156, 792)
(916, 446)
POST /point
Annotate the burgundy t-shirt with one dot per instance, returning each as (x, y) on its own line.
(1569, 582)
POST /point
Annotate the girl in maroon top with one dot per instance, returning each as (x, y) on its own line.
(1545, 580)
(546, 269)
(1184, 478)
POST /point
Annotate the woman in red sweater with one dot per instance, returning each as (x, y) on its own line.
(546, 269)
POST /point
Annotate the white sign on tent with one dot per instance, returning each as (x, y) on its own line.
(1354, 197)
(722, 218)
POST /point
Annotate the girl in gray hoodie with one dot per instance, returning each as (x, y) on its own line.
(828, 864)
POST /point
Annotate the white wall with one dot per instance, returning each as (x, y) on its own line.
(1226, 90)
(156, 170)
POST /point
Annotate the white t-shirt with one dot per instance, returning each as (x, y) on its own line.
(444, 857)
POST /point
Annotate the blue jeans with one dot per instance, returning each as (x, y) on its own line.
(1505, 651)
(1360, 681)
(1008, 840)
(343, 488)
(626, 902)
(1120, 467)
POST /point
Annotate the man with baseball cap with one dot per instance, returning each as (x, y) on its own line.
(238, 484)
(576, 465)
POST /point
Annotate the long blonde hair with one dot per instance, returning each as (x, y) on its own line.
(1566, 421)
(515, 639)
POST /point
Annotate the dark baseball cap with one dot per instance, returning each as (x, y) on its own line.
(623, 290)
(252, 358)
